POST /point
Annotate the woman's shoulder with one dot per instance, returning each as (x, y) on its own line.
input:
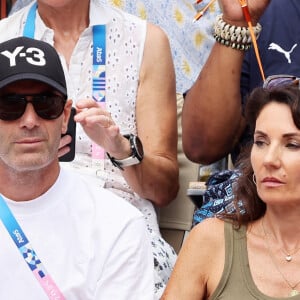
(203, 254)
(210, 229)
(207, 238)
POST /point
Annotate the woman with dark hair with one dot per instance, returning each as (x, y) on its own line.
(255, 252)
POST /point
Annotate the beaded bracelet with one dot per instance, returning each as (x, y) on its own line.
(236, 37)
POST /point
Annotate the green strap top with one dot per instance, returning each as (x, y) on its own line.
(236, 282)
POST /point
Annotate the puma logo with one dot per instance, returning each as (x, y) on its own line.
(287, 54)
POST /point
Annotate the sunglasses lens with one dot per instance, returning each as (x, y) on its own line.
(278, 81)
(11, 108)
(49, 107)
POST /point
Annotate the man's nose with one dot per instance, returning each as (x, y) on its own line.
(30, 119)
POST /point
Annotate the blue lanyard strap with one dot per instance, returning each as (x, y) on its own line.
(29, 27)
(99, 81)
(27, 252)
(99, 62)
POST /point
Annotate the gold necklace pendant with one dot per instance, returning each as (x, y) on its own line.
(294, 292)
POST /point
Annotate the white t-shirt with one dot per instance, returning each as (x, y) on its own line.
(92, 243)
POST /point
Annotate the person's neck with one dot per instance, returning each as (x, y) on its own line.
(284, 230)
(69, 19)
(27, 185)
(67, 22)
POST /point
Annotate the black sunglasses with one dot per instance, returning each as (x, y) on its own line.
(280, 80)
(46, 106)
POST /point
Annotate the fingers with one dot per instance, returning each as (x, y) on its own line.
(103, 119)
(95, 117)
(86, 103)
(90, 113)
(65, 140)
(63, 145)
(108, 121)
(63, 151)
(93, 114)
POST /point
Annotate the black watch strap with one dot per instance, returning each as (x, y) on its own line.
(136, 156)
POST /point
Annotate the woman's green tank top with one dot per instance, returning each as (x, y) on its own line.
(236, 282)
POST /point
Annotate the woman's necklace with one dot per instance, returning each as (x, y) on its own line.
(288, 255)
(293, 291)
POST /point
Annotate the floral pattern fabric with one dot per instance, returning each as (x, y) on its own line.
(190, 41)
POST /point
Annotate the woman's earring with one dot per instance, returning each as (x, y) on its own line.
(254, 178)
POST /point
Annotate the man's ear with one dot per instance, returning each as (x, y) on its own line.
(66, 116)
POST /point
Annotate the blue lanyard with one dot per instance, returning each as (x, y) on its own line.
(29, 27)
(99, 62)
(27, 252)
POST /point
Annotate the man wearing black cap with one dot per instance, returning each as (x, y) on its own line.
(61, 237)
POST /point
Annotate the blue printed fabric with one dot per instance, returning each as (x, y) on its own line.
(218, 197)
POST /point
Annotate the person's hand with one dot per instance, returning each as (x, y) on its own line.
(63, 145)
(233, 14)
(100, 127)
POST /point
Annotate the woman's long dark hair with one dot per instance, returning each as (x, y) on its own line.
(248, 204)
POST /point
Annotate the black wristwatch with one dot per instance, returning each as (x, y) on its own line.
(137, 153)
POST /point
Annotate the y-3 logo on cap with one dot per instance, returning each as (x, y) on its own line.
(33, 56)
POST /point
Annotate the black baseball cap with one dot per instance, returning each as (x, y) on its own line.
(24, 58)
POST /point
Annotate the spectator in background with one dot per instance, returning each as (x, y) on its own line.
(190, 45)
(229, 75)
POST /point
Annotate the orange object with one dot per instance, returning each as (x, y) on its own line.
(253, 38)
(202, 11)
